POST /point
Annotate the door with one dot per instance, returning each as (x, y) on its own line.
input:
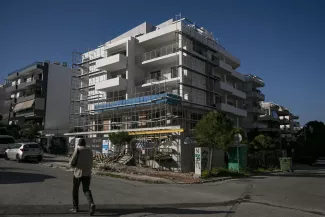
(13, 151)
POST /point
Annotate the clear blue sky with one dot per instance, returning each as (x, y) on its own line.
(281, 41)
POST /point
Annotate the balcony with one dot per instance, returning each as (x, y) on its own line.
(268, 118)
(168, 77)
(257, 95)
(28, 97)
(257, 126)
(113, 84)
(112, 63)
(257, 81)
(224, 66)
(161, 56)
(269, 129)
(231, 109)
(25, 85)
(295, 117)
(30, 113)
(224, 86)
(29, 69)
(11, 88)
(230, 89)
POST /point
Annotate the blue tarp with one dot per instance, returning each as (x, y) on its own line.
(167, 98)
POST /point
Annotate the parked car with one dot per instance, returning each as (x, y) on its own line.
(5, 142)
(24, 151)
(320, 161)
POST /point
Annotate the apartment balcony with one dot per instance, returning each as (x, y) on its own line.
(256, 126)
(113, 84)
(295, 117)
(256, 95)
(112, 63)
(27, 70)
(161, 56)
(257, 81)
(225, 87)
(230, 89)
(269, 129)
(284, 121)
(224, 66)
(231, 109)
(166, 77)
(32, 83)
(36, 103)
(30, 113)
(196, 34)
(28, 97)
(10, 101)
(268, 118)
(256, 110)
(11, 89)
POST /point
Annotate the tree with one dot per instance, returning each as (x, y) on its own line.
(311, 140)
(214, 130)
(30, 130)
(262, 142)
(119, 139)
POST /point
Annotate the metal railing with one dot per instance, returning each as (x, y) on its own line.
(163, 75)
(163, 51)
(21, 69)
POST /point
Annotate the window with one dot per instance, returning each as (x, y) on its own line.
(31, 146)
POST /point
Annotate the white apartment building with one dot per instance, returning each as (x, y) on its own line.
(254, 97)
(288, 124)
(156, 82)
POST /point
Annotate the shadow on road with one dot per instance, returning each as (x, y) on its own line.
(118, 210)
(9, 177)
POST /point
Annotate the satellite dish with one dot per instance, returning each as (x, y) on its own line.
(238, 138)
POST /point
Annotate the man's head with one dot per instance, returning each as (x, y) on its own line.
(82, 142)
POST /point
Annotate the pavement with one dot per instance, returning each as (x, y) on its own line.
(30, 189)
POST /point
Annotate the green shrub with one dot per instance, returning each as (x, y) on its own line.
(205, 174)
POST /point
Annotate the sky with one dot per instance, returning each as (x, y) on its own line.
(281, 41)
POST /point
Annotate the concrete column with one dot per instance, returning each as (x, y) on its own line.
(225, 78)
(236, 103)
(226, 100)
(237, 122)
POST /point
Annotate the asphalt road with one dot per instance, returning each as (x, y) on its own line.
(36, 190)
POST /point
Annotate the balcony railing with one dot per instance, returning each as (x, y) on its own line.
(164, 75)
(163, 51)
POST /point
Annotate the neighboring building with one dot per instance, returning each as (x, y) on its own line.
(270, 122)
(156, 82)
(254, 97)
(39, 93)
(288, 125)
(4, 105)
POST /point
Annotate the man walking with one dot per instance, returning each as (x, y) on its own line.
(82, 162)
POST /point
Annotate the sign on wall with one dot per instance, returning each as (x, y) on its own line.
(201, 159)
(105, 146)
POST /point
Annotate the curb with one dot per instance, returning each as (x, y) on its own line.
(141, 178)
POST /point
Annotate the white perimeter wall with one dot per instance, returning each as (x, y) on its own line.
(58, 98)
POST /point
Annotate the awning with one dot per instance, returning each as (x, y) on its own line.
(24, 105)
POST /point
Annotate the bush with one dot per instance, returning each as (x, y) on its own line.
(205, 174)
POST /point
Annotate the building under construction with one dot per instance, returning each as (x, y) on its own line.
(156, 82)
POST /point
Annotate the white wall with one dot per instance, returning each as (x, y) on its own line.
(58, 98)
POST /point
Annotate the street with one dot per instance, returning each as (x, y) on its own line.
(28, 189)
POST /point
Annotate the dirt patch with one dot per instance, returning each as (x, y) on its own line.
(173, 176)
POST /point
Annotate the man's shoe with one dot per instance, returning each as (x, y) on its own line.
(74, 210)
(92, 209)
